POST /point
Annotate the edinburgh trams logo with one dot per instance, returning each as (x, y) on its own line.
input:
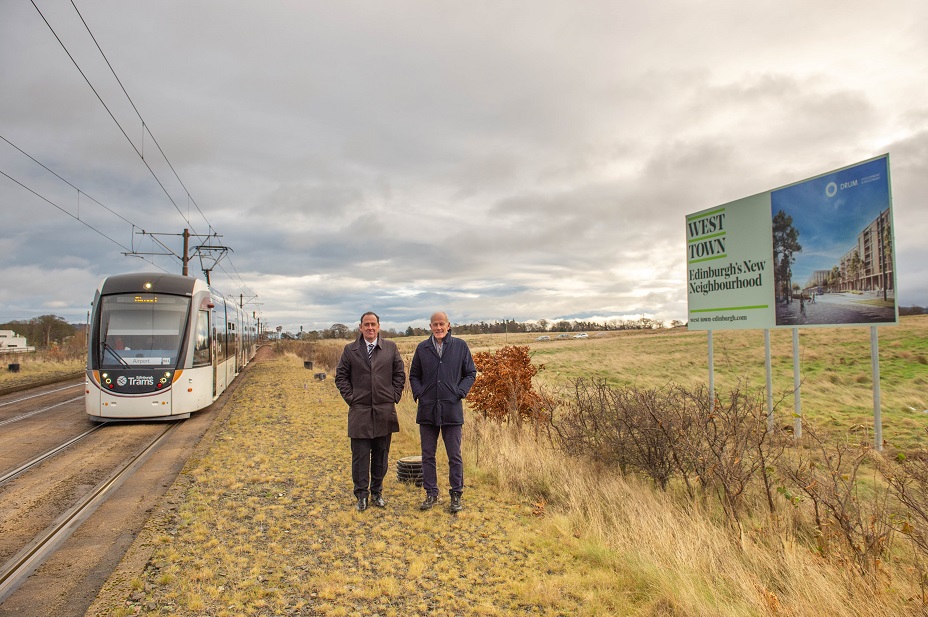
(139, 380)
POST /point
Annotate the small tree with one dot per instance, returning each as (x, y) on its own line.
(503, 390)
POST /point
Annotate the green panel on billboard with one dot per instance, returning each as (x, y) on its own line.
(729, 269)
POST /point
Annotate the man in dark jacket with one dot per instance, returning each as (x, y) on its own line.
(441, 374)
(370, 377)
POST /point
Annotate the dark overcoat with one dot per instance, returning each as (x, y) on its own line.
(371, 389)
(440, 383)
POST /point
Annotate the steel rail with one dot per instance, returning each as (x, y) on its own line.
(48, 454)
(38, 411)
(24, 563)
(26, 398)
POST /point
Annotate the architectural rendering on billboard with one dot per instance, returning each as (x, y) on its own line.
(818, 252)
(833, 248)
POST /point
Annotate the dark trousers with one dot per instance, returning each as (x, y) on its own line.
(451, 435)
(369, 464)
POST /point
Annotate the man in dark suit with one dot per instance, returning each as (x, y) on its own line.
(441, 374)
(370, 377)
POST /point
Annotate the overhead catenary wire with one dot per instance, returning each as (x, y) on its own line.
(241, 282)
(82, 222)
(106, 107)
(54, 173)
(138, 150)
(144, 125)
(128, 251)
(121, 129)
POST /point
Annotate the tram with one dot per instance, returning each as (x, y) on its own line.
(162, 346)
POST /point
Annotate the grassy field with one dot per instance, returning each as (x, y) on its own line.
(835, 369)
(35, 368)
(265, 525)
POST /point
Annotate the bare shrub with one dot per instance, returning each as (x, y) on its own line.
(651, 431)
(632, 429)
(591, 425)
(907, 478)
(726, 444)
(662, 432)
(829, 475)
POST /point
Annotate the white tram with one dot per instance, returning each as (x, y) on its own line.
(162, 346)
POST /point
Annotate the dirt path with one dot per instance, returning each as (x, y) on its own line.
(264, 523)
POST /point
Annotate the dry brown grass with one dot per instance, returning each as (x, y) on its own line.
(267, 524)
(633, 542)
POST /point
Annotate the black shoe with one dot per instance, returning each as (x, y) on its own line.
(455, 506)
(430, 500)
(362, 504)
(377, 500)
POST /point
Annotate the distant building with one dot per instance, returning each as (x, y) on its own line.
(819, 278)
(868, 265)
(10, 342)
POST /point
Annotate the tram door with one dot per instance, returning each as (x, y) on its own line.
(215, 343)
(218, 324)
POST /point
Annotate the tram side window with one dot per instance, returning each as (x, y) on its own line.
(201, 347)
(219, 338)
(233, 340)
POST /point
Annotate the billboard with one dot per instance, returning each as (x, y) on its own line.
(814, 253)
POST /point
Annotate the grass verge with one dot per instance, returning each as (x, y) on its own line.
(267, 525)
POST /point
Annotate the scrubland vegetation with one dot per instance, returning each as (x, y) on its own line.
(607, 486)
(56, 363)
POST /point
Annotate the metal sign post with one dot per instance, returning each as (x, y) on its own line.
(877, 414)
(797, 382)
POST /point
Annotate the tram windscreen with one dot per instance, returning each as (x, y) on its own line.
(141, 329)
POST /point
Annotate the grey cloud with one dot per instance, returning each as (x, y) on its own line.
(406, 156)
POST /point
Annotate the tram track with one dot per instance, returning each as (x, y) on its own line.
(39, 394)
(29, 414)
(47, 454)
(25, 562)
(68, 521)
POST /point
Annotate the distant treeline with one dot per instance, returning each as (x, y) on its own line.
(338, 330)
(498, 327)
(46, 331)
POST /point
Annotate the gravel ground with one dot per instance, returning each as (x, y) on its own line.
(262, 522)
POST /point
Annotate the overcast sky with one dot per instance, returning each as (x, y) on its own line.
(519, 160)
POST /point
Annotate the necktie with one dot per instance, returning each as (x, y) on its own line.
(370, 350)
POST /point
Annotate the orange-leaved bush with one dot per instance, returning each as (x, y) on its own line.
(503, 390)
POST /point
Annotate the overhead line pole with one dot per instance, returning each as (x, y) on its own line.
(186, 250)
(185, 257)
